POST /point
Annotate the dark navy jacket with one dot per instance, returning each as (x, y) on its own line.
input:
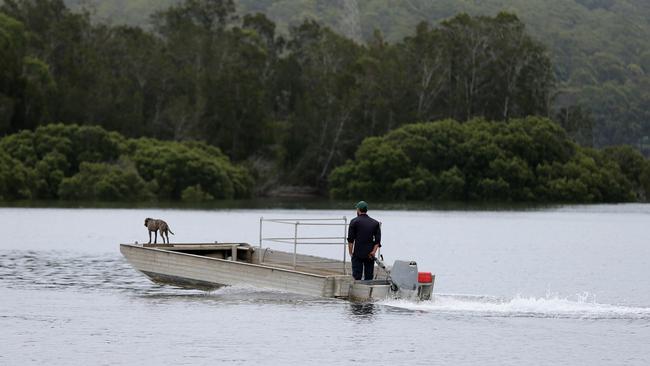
(365, 232)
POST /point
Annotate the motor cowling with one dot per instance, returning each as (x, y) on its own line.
(404, 275)
(410, 282)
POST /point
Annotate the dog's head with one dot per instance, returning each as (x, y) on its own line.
(146, 221)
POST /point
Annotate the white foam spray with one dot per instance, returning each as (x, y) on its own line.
(550, 306)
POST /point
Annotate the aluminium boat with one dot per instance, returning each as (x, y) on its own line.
(213, 265)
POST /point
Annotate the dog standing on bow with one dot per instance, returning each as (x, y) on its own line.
(156, 225)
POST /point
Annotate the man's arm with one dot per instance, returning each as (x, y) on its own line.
(377, 241)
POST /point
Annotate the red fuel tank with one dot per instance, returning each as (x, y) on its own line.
(425, 277)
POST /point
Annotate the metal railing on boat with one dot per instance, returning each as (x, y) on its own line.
(296, 240)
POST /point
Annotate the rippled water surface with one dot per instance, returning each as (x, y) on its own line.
(566, 285)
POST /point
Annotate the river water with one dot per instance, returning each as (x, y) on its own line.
(566, 286)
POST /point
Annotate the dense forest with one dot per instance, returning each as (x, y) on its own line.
(600, 48)
(289, 106)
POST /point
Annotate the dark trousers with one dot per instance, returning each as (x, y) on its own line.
(362, 265)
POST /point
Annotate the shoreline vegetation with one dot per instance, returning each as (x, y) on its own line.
(270, 203)
(522, 160)
(207, 105)
(528, 160)
(71, 162)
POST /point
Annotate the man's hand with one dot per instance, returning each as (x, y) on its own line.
(372, 253)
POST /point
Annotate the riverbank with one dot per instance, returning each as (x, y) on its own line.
(293, 203)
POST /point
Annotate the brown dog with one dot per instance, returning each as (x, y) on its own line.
(156, 225)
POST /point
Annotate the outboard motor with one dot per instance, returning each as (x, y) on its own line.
(402, 281)
(409, 282)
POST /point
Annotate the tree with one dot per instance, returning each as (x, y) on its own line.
(496, 69)
(26, 84)
(578, 123)
(325, 99)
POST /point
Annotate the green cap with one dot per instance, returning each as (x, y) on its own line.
(362, 205)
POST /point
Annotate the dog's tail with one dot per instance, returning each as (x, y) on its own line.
(170, 230)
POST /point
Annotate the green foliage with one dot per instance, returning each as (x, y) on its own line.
(303, 102)
(176, 166)
(347, 92)
(104, 182)
(630, 160)
(195, 194)
(592, 43)
(50, 171)
(587, 177)
(15, 179)
(25, 81)
(73, 144)
(88, 163)
(294, 87)
(634, 166)
(529, 159)
(11, 53)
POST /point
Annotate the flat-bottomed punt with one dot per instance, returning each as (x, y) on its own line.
(210, 266)
(213, 265)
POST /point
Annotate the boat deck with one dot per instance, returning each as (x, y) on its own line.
(245, 253)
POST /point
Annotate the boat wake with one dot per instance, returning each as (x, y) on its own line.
(550, 306)
(55, 270)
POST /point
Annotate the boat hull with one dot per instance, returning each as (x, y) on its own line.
(197, 271)
(372, 290)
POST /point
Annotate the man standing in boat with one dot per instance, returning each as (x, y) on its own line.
(364, 239)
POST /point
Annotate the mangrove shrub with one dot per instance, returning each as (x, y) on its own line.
(89, 163)
(528, 159)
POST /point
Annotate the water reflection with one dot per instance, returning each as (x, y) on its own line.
(68, 270)
(363, 310)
